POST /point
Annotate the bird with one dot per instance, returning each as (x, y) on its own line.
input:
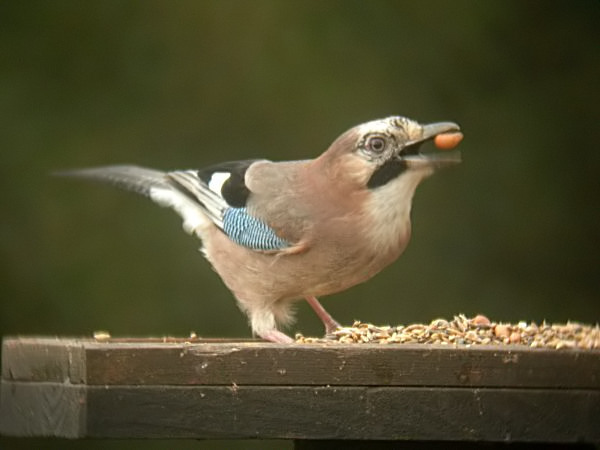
(279, 232)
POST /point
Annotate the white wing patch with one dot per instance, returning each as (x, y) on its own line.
(217, 180)
(210, 203)
(194, 219)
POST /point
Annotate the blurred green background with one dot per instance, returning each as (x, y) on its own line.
(511, 233)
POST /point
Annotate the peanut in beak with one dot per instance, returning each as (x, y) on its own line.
(447, 141)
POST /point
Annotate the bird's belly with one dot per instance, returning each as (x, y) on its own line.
(341, 274)
(267, 278)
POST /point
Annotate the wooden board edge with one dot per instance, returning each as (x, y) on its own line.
(29, 409)
(341, 413)
(43, 359)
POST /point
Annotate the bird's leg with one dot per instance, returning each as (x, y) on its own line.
(262, 321)
(330, 323)
(276, 336)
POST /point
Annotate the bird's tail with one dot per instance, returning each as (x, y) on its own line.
(154, 184)
(130, 178)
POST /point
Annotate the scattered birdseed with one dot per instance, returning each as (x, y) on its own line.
(461, 330)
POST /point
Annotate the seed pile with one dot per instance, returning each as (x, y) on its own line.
(461, 330)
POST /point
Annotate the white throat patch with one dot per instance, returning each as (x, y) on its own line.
(389, 209)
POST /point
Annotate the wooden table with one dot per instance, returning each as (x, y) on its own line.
(311, 393)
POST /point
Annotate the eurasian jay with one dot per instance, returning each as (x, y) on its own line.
(277, 232)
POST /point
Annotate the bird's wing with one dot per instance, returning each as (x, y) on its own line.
(216, 194)
(222, 192)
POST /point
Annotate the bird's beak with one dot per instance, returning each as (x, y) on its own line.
(446, 136)
(431, 130)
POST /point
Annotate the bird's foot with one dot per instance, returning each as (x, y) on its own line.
(330, 323)
(276, 336)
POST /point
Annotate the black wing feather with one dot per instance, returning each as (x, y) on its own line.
(234, 190)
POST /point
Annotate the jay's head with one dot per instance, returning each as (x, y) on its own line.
(389, 151)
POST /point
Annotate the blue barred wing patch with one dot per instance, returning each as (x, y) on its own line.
(246, 230)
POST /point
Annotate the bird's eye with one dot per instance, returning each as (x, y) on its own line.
(376, 144)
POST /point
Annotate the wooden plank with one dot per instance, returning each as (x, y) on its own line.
(43, 359)
(148, 389)
(304, 444)
(42, 409)
(364, 413)
(370, 364)
(290, 412)
(260, 363)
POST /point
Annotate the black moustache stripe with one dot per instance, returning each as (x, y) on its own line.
(386, 173)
